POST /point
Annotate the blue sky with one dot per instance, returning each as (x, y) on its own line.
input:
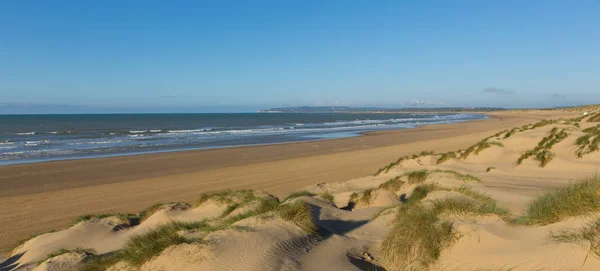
(142, 56)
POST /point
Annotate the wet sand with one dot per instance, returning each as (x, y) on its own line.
(37, 198)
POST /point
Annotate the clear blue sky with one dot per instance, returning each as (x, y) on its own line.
(245, 55)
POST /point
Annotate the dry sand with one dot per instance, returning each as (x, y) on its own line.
(40, 197)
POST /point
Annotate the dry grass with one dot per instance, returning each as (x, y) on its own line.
(416, 239)
(446, 156)
(459, 176)
(366, 197)
(393, 184)
(542, 151)
(419, 235)
(575, 198)
(590, 233)
(416, 177)
(479, 147)
(300, 214)
(588, 143)
(594, 118)
(328, 197)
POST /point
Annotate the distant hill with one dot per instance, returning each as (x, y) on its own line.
(348, 109)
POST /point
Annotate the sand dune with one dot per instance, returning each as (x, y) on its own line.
(467, 209)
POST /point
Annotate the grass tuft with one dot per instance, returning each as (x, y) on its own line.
(490, 169)
(591, 233)
(575, 198)
(588, 143)
(594, 118)
(446, 156)
(393, 184)
(459, 176)
(542, 151)
(328, 197)
(416, 177)
(417, 238)
(479, 147)
(142, 248)
(300, 214)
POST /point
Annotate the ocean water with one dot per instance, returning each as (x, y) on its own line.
(36, 138)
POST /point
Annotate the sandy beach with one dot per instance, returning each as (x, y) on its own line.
(57, 192)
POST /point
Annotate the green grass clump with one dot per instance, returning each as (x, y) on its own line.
(419, 235)
(328, 197)
(575, 198)
(594, 118)
(542, 151)
(591, 233)
(479, 147)
(142, 248)
(446, 156)
(298, 194)
(418, 176)
(543, 123)
(588, 143)
(393, 184)
(420, 192)
(300, 214)
(459, 176)
(366, 197)
(417, 238)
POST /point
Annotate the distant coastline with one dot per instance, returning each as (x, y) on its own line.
(378, 110)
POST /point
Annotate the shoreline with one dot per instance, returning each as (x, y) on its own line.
(350, 134)
(59, 191)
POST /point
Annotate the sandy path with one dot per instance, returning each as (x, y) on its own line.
(41, 197)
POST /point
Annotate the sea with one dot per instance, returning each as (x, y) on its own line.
(39, 138)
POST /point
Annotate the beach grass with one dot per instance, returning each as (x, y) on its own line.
(458, 175)
(300, 214)
(590, 233)
(393, 184)
(416, 177)
(588, 143)
(417, 238)
(542, 152)
(573, 199)
(328, 197)
(594, 118)
(446, 156)
(479, 147)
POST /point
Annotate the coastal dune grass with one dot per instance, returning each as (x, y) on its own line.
(542, 152)
(588, 143)
(419, 233)
(418, 176)
(590, 233)
(141, 248)
(416, 239)
(573, 199)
